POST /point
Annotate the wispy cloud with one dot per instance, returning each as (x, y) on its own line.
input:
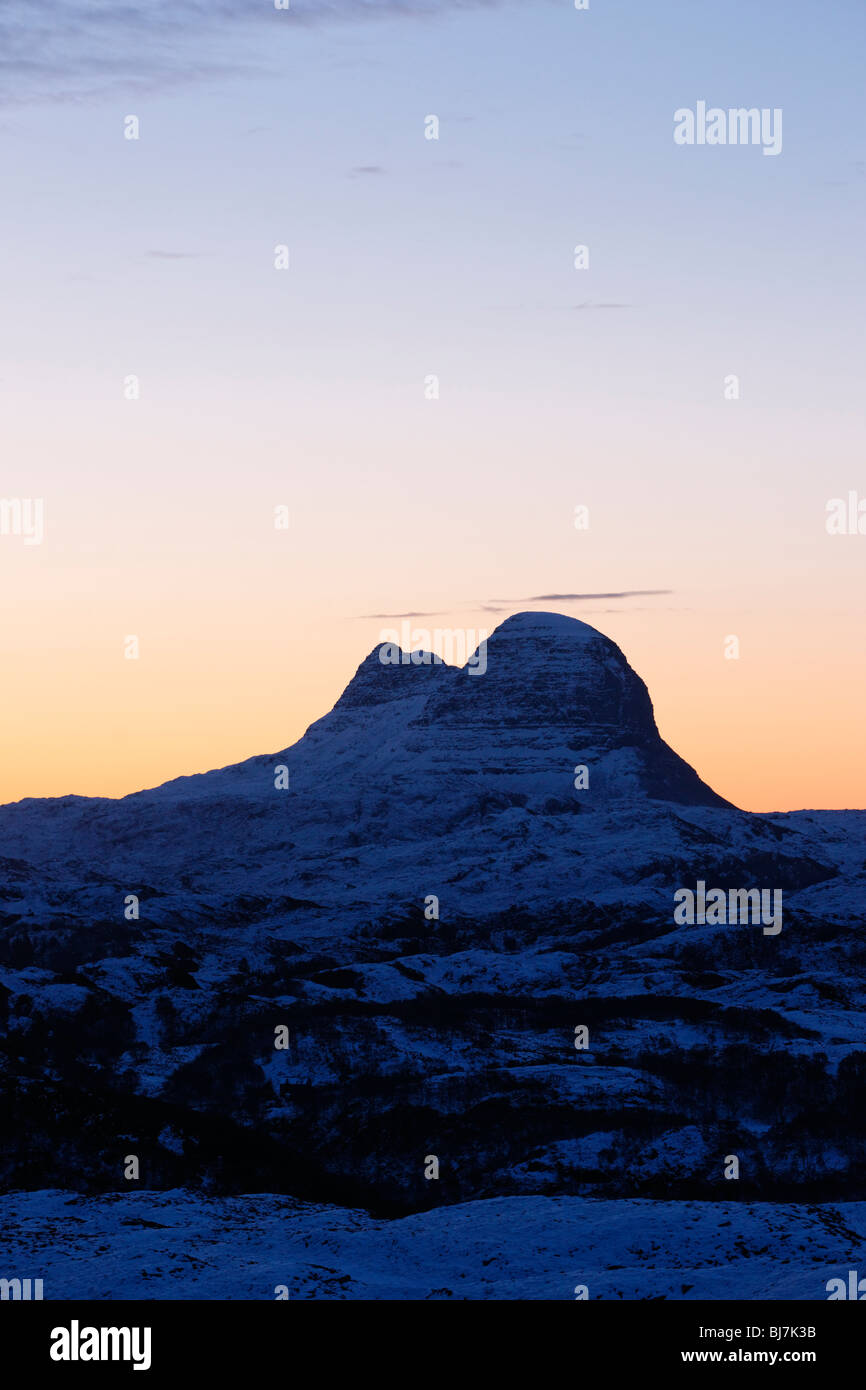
(83, 50)
(80, 50)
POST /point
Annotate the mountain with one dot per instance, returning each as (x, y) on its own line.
(414, 754)
(465, 867)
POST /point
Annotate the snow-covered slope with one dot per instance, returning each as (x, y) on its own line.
(180, 1245)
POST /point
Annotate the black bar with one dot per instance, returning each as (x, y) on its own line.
(229, 1339)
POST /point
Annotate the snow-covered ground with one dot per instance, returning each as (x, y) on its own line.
(180, 1245)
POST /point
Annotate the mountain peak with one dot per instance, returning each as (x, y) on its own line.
(546, 670)
(390, 673)
(546, 686)
(543, 692)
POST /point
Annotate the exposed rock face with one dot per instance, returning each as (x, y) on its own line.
(555, 687)
(412, 1034)
(548, 672)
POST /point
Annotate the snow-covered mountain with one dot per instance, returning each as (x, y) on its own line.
(426, 777)
(448, 875)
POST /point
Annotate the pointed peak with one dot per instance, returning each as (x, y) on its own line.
(387, 674)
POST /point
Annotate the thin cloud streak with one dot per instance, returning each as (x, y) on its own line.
(500, 605)
(174, 255)
(360, 617)
(580, 598)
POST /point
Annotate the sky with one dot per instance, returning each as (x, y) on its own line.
(309, 388)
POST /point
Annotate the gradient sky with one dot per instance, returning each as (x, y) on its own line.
(409, 257)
